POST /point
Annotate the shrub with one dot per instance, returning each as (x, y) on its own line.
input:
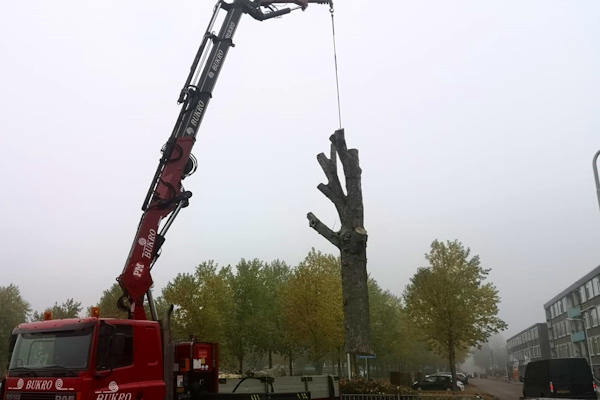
(359, 385)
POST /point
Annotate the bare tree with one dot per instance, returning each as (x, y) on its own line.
(351, 239)
(498, 353)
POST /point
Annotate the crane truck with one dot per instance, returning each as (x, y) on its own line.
(97, 358)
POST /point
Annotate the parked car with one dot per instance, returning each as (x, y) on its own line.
(464, 378)
(483, 374)
(559, 378)
(437, 382)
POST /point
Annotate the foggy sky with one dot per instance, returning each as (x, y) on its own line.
(475, 121)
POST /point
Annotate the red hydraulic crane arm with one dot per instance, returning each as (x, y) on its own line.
(166, 196)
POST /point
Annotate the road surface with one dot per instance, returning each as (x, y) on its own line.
(500, 389)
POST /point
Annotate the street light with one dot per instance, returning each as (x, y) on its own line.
(587, 343)
(595, 166)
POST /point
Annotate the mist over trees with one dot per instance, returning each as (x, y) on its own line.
(491, 355)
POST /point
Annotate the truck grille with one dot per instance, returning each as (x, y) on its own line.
(33, 395)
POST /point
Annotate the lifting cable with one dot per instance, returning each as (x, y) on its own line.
(337, 78)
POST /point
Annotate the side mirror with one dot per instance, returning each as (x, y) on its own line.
(118, 345)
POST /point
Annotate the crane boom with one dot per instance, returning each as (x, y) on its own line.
(166, 195)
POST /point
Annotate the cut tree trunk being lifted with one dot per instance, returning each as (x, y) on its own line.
(351, 239)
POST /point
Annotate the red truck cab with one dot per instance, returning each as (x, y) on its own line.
(86, 359)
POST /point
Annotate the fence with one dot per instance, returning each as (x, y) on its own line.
(406, 397)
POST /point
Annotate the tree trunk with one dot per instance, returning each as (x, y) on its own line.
(339, 360)
(318, 364)
(351, 239)
(452, 360)
(270, 359)
(333, 362)
(291, 361)
(241, 359)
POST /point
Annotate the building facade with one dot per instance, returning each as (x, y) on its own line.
(531, 344)
(572, 317)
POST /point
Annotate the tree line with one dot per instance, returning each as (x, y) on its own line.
(270, 313)
(267, 313)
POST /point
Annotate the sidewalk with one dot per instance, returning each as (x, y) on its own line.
(503, 390)
(512, 382)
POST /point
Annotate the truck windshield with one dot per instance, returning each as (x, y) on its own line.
(66, 350)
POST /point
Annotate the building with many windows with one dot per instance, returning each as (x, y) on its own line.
(572, 316)
(530, 344)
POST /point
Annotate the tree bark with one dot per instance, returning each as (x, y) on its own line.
(270, 359)
(241, 359)
(351, 239)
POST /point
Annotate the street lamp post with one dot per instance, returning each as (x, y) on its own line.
(587, 343)
(597, 179)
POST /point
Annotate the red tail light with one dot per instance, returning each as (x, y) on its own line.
(551, 387)
(594, 385)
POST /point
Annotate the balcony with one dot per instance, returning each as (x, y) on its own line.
(578, 337)
(574, 312)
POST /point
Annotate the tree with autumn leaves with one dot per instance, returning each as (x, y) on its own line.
(450, 304)
(313, 307)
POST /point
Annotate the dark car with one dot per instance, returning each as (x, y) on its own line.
(559, 378)
(436, 382)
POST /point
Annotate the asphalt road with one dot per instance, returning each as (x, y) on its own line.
(500, 389)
